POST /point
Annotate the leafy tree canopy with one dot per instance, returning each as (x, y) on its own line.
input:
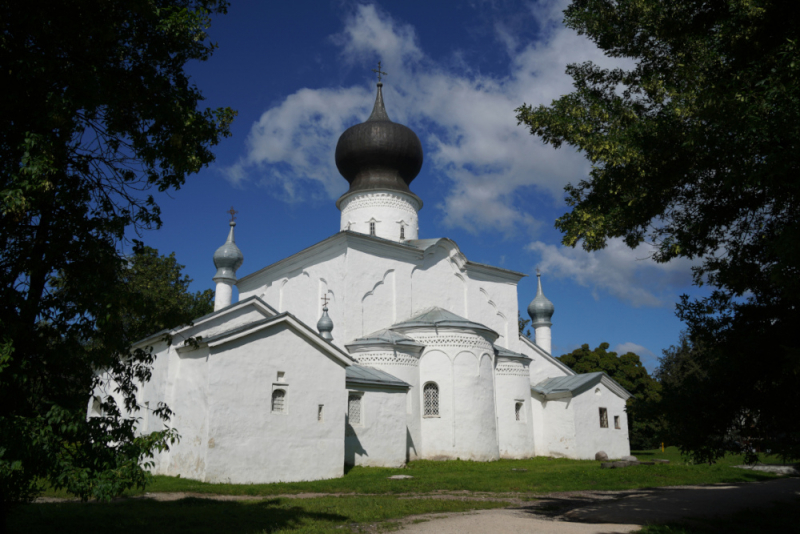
(159, 295)
(696, 149)
(97, 114)
(628, 371)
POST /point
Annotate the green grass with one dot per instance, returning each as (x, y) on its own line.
(543, 475)
(201, 516)
(781, 518)
(330, 513)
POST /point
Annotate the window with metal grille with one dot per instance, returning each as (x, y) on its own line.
(431, 400)
(372, 228)
(278, 400)
(616, 422)
(319, 412)
(603, 418)
(518, 411)
(402, 232)
(354, 409)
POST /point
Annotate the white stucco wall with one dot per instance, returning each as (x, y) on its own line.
(388, 209)
(373, 285)
(540, 440)
(379, 440)
(515, 437)
(461, 363)
(559, 427)
(590, 437)
(544, 366)
(247, 442)
(189, 402)
(402, 364)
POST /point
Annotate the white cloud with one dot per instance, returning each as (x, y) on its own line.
(629, 346)
(466, 120)
(628, 274)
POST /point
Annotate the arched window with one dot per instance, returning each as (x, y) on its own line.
(518, 411)
(431, 400)
(278, 401)
(402, 232)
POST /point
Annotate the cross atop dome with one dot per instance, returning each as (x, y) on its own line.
(378, 71)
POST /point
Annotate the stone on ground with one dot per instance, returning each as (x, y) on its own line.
(601, 456)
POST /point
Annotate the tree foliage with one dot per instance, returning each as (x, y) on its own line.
(643, 416)
(696, 149)
(158, 295)
(97, 114)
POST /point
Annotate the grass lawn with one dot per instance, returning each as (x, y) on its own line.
(329, 513)
(204, 516)
(543, 475)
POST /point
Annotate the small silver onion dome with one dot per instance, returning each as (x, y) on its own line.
(540, 309)
(227, 259)
(325, 325)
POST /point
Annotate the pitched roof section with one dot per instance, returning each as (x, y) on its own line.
(385, 336)
(502, 351)
(297, 326)
(436, 316)
(546, 356)
(249, 301)
(415, 247)
(358, 375)
(566, 386)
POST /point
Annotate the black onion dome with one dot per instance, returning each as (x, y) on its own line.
(379, 153)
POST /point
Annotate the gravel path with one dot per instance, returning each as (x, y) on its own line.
(613, 512)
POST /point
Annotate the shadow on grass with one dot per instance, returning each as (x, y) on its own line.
(198, 516)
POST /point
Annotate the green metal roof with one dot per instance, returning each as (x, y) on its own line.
(502, 351)
(385, 336)
(440, 317)
(360, 375)
(576, 384)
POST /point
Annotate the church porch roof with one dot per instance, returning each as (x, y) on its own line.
(571, 386)
(502, 351)
(249, 301)
(358, 375)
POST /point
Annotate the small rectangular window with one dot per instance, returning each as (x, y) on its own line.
(402, 232)
(372, 228)
(603, 418)
(281, 374)
(319, 413)
(616, 422)
(354, 410)
(518, 411)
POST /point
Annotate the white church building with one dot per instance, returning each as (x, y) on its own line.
(416, 353)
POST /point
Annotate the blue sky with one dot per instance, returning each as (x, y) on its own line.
(298, 73)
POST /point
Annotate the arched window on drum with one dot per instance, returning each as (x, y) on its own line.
(430, 394)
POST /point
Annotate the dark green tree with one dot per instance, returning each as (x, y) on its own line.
(97, 114)
(695, 149)
(157, 295)
(644, 421)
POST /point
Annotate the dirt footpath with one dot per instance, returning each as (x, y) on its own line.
(613, 512)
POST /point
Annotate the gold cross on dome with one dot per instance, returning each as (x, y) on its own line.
(378, 71)
(324, 300)
(232, 213)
